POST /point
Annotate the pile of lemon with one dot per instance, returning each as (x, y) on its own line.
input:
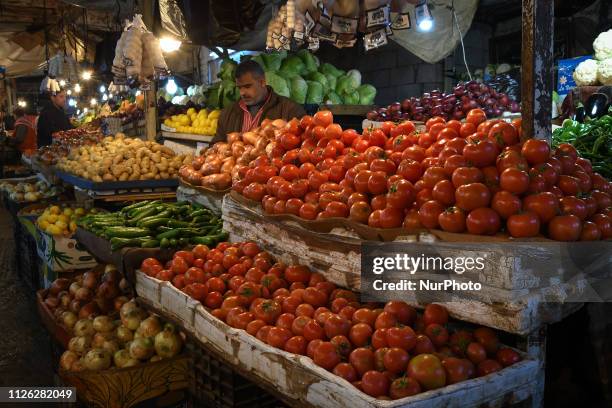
(198, 123)
(56, 220)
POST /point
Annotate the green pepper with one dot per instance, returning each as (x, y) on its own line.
(126, 232)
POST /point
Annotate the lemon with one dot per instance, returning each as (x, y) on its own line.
(55, 210)
(79, 211)
(68, 211)
(63, 218)
(61, 225)
(73, 226)
(52, 218)
(190, 111)
(53, 230)
(43, 224)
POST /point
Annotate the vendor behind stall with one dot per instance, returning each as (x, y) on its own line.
(53, 118)
(257, 102)
(24, 137)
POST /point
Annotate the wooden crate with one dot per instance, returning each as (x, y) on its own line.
(531, 296)
(200, 195)
(306, 384)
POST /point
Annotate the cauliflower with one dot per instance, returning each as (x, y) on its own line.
(603, 45)
(586, 73)
(604, 72)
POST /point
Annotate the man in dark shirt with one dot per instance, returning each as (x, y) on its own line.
(52, 118)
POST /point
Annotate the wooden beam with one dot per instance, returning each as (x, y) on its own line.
(537, 68)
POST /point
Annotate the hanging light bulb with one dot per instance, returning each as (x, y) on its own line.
(69, 92)
(423, 16)
(77, 88)
(171, 87)
(22, 103)
(78, 111)
(102, 89)
(169, 44)
(72, 102)
(62, 83)
(105, 97)
(93, 102)
(110, 96)
(85, 110)
(86, 75)
(137, 92)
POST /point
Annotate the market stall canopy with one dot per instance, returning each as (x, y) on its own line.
(242, 25)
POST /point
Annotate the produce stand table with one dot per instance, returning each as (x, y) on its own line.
(299, 382)
(185, 142)
(114, 185)
(46, 171)
(199, 195)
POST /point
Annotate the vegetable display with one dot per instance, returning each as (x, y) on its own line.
(121, 158)
(386, 352)
(61, 220)
(99, 291)
(298, 76)
(597, 71)
(102, 343)
(455, 105)
(201, 122)
(477, 177)
(65, 140)
(215, 167)
(593, 140)
(29, 191)
(152, 224)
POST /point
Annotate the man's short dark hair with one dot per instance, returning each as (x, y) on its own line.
(249, 66)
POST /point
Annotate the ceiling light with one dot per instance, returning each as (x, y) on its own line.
(171, 87)
(169, 44)
(77, 88)
(93, 102)
(423, 16)
(86, 75)
(102, 89)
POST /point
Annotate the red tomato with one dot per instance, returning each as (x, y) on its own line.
(326, 356)
(427, 370)
(506, 356)
(444, 192)
(404, 387)
(565, 228)
(504, 134)
(346, 371)
(362, 359)
(604, 223)
(396, 360)
(514, 180)
(471, 196)
(403, 337)
(506, 204)
(429, 213)
(545, 205)
(523, 225)
(481, 154)
(452, 220)
(323, 118)
(487, 367)
(483, 221)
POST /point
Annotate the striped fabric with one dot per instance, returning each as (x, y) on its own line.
(250, 122)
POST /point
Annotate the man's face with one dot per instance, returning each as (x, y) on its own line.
(59, 100)
(252, 89)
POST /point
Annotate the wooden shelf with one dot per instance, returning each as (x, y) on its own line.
(187, 136)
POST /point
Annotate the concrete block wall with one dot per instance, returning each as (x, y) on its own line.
(398, 74)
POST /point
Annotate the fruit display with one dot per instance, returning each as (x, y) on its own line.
(166, 109)
(200, 122)
(455, 105)
(592, 140)
(216, 167)
(386, 351)
(121, 158)
(138, 337)
(477, 177)
(99, 291)
(28, 192)
(153, 224)
(65, 140)
(61, 220)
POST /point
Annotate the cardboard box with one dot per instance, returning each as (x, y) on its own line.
(62, 253)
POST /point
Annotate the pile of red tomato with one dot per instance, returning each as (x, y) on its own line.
(477, 177)
(387, 351)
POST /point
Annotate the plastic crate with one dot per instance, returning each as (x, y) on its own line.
(214, 384)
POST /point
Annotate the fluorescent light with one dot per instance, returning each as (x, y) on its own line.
(102, 89)
(79, 111)
(171, 87)
(423, 16)
(77, 88)
(86, 75)
(169, 44)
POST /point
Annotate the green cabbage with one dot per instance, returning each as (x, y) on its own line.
(315, 92)
(228, 68)
(273, 60)
(367, 93)
(259, 59)
(292, 66)
(329, 69)
(299, 89)
(331, 81)
(351, 98)
(355, 77)
(310, 64)
(333, 98)
(278, 83)
(345, 84)
(319, 77)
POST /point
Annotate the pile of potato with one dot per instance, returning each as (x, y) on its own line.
(121, 158)
(218, 166)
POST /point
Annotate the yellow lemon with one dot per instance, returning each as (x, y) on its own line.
(52, 218)
(190, 111)
(53, 230)
(73, 226)
(63, 218)
(43, 225)
(55, 210)
(68, 211)
(79, 211)
(61, 225)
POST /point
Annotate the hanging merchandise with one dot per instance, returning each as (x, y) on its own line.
(63, 66)
(138, 56)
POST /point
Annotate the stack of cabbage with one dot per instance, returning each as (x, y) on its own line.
(300, 77)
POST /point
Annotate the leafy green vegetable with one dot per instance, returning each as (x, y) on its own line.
(310, 64)
(331, 81)
(367, 93)
(592, 139)
(273, 61)
(292, 66)
(329, 69)
(227, 70)
(351, 98)
(315, 92)
(299, 89)
(319, 77)
(278, 83)
(333, 98)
